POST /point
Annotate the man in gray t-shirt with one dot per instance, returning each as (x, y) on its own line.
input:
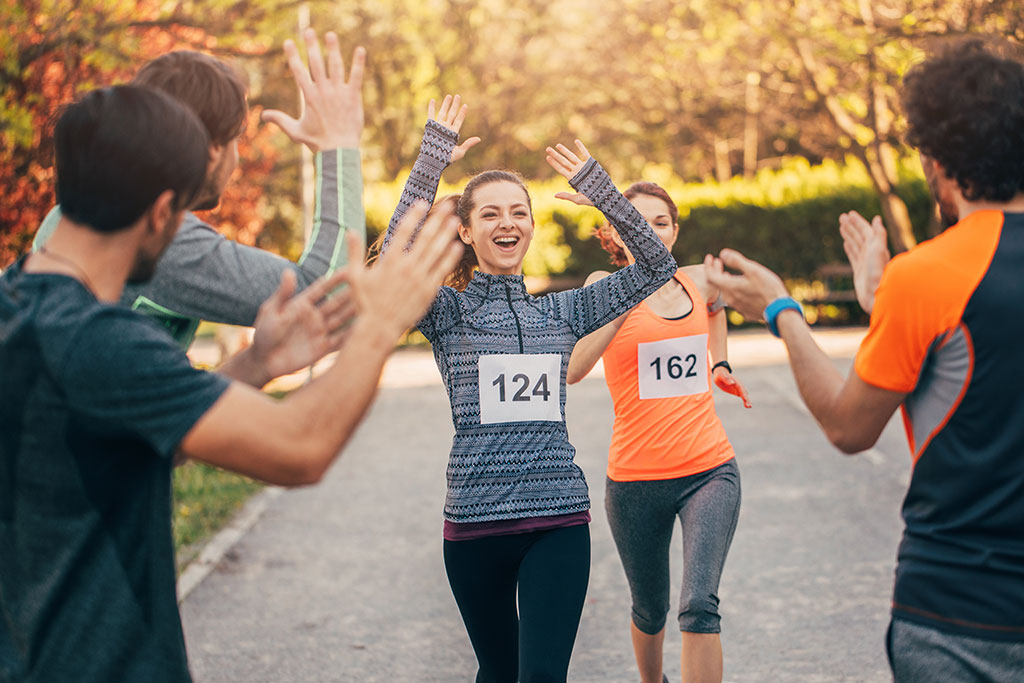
(202, 275)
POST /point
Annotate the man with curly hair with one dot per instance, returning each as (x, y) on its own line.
(943, 344)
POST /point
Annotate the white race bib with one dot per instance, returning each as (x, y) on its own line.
(673, 367)
(519, 387)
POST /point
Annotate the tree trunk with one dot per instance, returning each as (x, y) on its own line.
(723, 169)
(894, 210)
(753, 109)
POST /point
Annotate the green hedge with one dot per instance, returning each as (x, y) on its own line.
(786, 218)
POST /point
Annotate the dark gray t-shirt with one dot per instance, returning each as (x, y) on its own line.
(94, 400)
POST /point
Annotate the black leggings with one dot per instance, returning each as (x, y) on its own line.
(551, 570)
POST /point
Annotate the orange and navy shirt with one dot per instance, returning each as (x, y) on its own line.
(664, 437)
(947, 329)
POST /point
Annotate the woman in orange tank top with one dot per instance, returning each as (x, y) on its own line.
(669, 457)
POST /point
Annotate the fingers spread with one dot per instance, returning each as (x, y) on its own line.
(460, 116)
(355, 76)
(316, 59)
(442, 113)
(298, 69)
(335, 63)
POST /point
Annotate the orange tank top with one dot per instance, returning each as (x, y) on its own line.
(658, 373)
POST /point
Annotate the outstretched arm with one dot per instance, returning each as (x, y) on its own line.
(851, 412)
(437, 151)
(293, 441)
(590, 348)
(203, 275)
(599, 303)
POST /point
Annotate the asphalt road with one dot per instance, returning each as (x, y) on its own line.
(345, 582)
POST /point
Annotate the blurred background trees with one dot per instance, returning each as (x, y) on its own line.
(732, 94)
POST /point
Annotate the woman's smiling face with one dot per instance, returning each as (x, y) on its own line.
(500, 227)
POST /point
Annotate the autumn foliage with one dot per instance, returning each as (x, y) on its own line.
(52, 54)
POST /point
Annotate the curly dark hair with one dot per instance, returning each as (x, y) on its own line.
(965, 109)
(616, 254)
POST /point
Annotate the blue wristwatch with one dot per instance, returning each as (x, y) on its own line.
(772, 310)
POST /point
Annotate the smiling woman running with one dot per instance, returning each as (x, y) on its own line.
(517, 508)
(669, 456)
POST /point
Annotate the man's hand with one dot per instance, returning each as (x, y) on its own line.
(295, 331)
(866, 246)
(725, 381)
(394, 293)
(332, 112)
(751, 290)
(451, 115)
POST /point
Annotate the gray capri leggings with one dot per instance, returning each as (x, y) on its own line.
(642, 515)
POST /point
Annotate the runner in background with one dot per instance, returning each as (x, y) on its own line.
(669, 457)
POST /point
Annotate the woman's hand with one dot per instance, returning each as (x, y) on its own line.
(451, 115)
(725, 381)
(577, 198)
(566, 162)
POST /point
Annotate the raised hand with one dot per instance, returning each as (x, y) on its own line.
(866, 245)
(332, 115)
(751, 290)
(293, 331)
(566, 162)
(577, 198)
(728, 383)
(451, 115)
(394, 293)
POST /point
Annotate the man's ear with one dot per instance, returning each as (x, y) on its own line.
(160, 212)
(216, 154)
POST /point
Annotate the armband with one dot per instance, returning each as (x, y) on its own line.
(772, 310)
(722, 364)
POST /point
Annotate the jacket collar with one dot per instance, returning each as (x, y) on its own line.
(487, 286)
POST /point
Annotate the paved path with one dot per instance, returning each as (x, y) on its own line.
(345, 582)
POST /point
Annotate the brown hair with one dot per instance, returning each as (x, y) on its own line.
(463, 272)
(616, 254)
(213, 89)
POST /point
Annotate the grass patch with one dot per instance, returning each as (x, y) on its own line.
(204, 498)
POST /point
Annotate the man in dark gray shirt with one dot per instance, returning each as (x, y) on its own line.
(203, 275)
(95, 399)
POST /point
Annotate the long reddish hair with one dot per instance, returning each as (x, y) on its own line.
(616, 254)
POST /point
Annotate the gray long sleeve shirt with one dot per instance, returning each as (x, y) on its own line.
(204, 276)
(503, 356)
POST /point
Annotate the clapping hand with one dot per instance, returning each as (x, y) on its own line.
(566, 162)
(293, 331)
(866, 246)
(451, 115)
(751, 290)
(332, 115)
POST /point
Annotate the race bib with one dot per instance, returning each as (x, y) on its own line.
(673, 367)
(520, 387)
